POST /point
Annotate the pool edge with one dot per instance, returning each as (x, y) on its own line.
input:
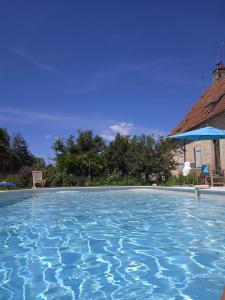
(191, 189)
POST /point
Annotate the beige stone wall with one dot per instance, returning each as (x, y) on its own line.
(222, 154)
(207, 153)
(207, 147)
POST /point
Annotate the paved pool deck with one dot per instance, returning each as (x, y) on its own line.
(192, 189)
(187, 189)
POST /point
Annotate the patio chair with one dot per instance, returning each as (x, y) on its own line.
(203, 178)
(37, 179)
(216, 179)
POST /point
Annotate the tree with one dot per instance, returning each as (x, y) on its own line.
(164, 162)
(125, 159)
(117, 154)
(140, 154)
(71, 146)
(39, 163)
(4, 141)
(59, 147)
(85, 141)
(20, 151)
(99, 145)
(92, 164)
(81, 157)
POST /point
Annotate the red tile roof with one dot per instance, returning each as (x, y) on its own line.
(210, 104)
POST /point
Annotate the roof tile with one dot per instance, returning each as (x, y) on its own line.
(210, 104)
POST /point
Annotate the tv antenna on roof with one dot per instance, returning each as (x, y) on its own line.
(219, 47)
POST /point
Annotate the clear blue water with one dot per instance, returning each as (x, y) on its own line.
(111, 244)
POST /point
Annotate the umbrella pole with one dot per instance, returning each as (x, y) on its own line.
(184, 151)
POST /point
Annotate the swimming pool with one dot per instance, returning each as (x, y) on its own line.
(111, 244)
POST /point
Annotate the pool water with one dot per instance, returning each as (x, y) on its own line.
(111, 244)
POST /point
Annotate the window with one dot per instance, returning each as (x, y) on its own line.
(180, 160)
(198, 157)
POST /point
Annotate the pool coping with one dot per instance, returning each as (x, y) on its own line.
(201, 190)
(186, 189)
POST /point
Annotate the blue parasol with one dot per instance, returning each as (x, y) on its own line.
(202, 134)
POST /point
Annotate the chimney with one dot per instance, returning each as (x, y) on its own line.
(219, 72)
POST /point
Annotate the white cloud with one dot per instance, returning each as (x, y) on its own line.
(122, 128)
(107, 136)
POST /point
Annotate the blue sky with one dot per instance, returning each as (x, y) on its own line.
(113, 66)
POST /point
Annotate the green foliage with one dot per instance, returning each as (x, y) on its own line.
(4, 141)
(125, 160)
(52, 176)
(116, 178)
(141, 157)
(17, 157)
(25, 176)
(86, 160)
(38, 163)
(117, 154)
(20, 152)
(182, 180)
(56, 177)
(59, 147)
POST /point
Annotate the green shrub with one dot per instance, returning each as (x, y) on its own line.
(182, 180)
(25, 176)
(52, 176)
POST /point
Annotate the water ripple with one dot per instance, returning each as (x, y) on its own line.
(111, 244)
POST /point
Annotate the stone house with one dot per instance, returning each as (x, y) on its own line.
(209, 110)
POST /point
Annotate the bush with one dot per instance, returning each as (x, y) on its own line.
(25, 176)
(74, 180)
(55, 177)
(116, 178)
(52, 176)
(182, 180)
